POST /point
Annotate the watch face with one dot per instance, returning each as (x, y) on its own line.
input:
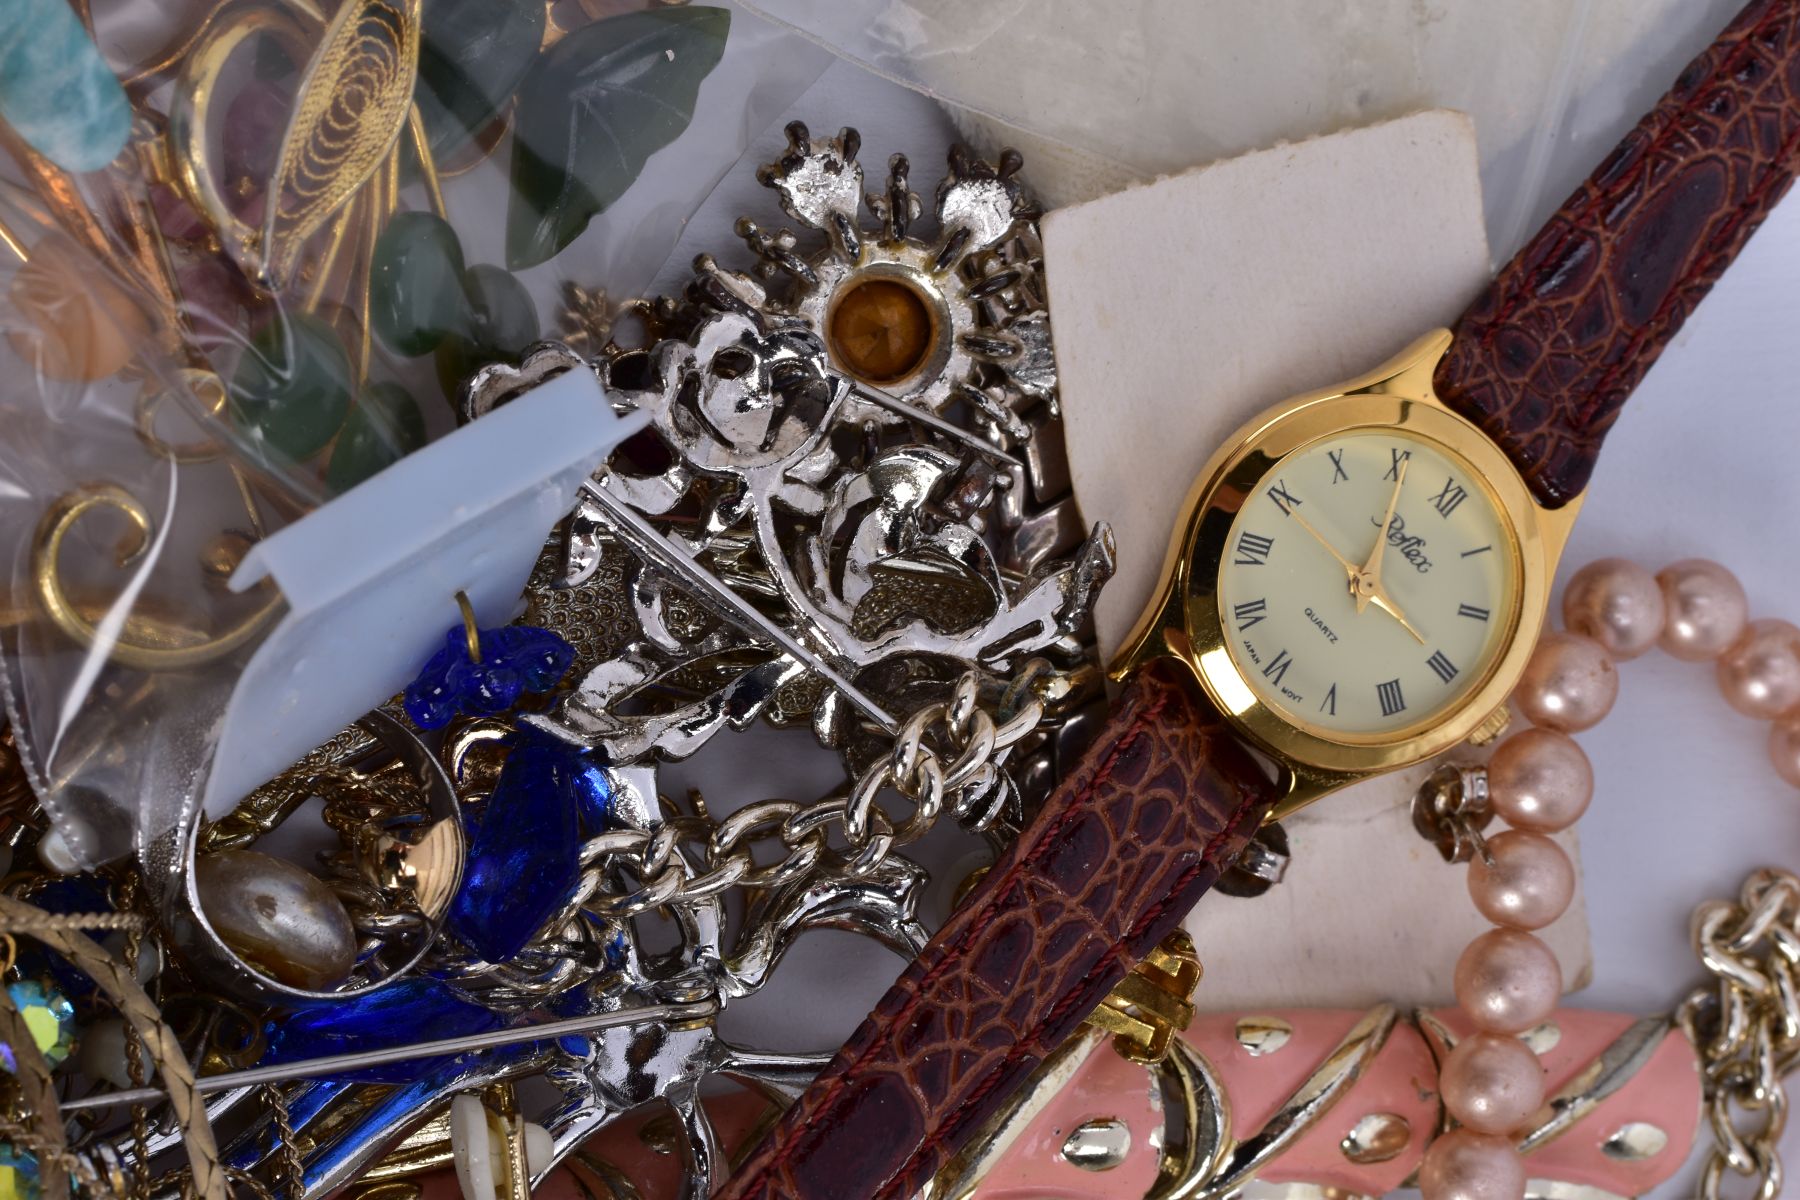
(1354, 623)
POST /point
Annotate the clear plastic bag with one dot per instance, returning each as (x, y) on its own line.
(1130, 89)
(252, 250)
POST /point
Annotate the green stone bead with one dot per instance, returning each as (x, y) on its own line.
(502, 322)
(502, 317)
(384, 427)
(415, 284)
(292, 388)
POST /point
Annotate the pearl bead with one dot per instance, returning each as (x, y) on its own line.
(1540, 779)
(1569, 684)
(280, 919)
(102, 1053)
(1492, 1083)
(1508, 981)
(1760, 673)
(1784, 749)
(1618, 604)
(1465, 1165)
(1705, 609)
(1529, 885)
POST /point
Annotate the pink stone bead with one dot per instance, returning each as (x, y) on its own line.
(1569, 684)
(1784, 749)
(1465, 1165)
(1760, 673)
(1529, 884)
(1492, 1083)
(1540, 779)
(1617, 603)
(1704, 609)
(1508, 981)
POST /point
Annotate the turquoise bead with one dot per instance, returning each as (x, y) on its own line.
(384, 427)
(55, 90)
(415, 284)
(292, 388)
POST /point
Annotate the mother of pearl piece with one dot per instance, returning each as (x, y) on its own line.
(281, 920)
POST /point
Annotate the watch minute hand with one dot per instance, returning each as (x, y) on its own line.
(1372, 569)
(1320, 538)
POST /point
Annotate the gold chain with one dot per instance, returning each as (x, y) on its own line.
(1745, 1025)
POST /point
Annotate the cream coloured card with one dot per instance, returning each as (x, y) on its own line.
(1183, 308)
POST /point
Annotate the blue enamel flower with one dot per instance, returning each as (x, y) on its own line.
(515, 659)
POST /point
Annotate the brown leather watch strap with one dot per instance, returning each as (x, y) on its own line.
(1164, 800)
(1545, 358)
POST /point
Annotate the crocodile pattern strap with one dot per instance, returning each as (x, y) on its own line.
(1545, 358)
(1165, 799)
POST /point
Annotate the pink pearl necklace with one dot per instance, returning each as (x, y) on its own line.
(1540, 782)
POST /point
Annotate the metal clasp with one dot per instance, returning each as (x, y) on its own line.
(1148, 1007)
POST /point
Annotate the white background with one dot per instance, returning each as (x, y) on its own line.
(1703, 463)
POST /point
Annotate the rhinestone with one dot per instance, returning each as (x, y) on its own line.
(48, 1014)
(18, 1174)
(881, 330)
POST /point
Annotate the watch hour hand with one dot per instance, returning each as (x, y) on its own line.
(1386, 604)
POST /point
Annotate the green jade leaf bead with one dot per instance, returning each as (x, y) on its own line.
(415, 284)
(293, 388)
(473, 57)
(384, 427)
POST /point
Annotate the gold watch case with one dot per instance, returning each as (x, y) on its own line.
(1183, 620)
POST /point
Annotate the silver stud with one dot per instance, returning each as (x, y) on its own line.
(1098, 1145)
(1263, 1035)
(1376, 1138)
(1542, 1038)
(1634, 1142)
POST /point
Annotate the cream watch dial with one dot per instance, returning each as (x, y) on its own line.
(1352, 633)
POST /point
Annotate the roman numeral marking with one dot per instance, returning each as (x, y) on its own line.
(1285, 500)
(1253, 549)
(1447, 500)
(1249, 613)
(1399, 456)
(1446, 670)
(1469, 610)
(1330, 704)
(1477, 550)
(1337, 466)
(1277, 667)
(1391, 700)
